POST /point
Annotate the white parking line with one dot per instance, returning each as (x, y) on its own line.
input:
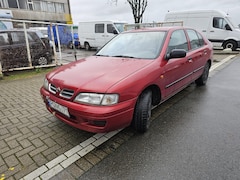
(215, 66)
(61, 162)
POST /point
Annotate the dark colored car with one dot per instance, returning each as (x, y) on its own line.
(134, 72)
(13, 49)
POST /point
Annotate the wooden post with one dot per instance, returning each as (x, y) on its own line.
(1, 74)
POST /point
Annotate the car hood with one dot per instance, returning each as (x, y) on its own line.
(96, 74)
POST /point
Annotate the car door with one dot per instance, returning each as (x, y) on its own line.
(99, 35)
(218, 31)
(19, 49)
(5, 51)
(178, 71)
(198, 52)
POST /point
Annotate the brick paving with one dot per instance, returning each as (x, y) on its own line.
(29, 135)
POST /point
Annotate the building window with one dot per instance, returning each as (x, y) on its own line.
(59, 7)
(37, 5)
(30, 5)
(43, 5)
(51, 7)
(12, 4)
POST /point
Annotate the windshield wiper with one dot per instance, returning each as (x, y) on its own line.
(123, 56)
(101, 55)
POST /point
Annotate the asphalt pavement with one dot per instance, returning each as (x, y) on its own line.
(36, 145)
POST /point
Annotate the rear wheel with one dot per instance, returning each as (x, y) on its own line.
(142, 114)
(42, 60)
(202, 80)
(87, 46)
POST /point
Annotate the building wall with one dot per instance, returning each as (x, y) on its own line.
(39, 10)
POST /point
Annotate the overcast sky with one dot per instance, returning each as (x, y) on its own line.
(95, 10)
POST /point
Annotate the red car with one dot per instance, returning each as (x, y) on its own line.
(135, 71)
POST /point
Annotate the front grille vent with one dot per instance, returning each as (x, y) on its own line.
(52, 89)
(65, 93)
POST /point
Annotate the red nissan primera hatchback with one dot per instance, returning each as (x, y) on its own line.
(135, 71)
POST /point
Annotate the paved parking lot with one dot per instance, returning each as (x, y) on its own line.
(31, 137)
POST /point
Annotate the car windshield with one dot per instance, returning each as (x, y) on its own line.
(143, 45)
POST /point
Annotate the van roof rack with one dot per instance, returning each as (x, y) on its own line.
(154, 24)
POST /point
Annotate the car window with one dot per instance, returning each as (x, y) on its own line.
(33, 37)
(18, 37)
(194, 39)
(178, 40)
(110, 28)
(99, 28)
(144, 45)
(4, 39)
(201, 40)
(220, 23)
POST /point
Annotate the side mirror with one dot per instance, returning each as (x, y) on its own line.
(176, 53)
(228, 27)
(115, 31)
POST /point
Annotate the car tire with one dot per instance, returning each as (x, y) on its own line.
(42, 60)
(230, 44)
(142, 112)
(202, 80)
(87, 46)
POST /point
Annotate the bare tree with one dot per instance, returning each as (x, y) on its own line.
(138, 8)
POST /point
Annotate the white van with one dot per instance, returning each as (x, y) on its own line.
(96, 34)
(216, 25)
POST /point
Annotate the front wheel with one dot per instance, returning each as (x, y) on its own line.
(142, 113)
(230, 44)
(202, 80)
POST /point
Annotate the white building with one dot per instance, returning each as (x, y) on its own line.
(57, 11)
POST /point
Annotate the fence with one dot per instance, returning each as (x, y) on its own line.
(25, 47)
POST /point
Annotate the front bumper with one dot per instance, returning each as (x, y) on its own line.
(96, 119)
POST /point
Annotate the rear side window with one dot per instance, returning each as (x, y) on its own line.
(178, 40)
(194, 39)
(201, 41)
(99, 28)
(110, 28)
(18, 37)
(33, 37)
(4, 39)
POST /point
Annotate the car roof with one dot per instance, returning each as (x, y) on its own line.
(165, 28)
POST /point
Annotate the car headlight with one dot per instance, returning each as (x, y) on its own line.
(45, 83)
(97, 99)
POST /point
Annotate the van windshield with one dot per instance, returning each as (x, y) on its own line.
(143, 45)
(119, 26)
(232, 22)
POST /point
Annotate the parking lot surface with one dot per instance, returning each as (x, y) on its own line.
(31, 137)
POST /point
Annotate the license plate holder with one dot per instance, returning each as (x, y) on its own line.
(60, 108)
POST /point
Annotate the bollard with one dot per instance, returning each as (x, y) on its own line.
(1, 74)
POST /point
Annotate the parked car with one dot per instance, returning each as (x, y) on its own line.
(119, 85)
(13, 49)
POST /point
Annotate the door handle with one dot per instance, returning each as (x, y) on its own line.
(211, 31)
(190, 60)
